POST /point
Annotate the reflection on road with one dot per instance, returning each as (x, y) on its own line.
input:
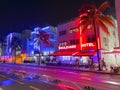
(69, 78)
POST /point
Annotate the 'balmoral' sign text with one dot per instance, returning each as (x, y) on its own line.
(67, 47)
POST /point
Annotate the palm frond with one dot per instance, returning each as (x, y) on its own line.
(103, 6)
(85, 26)
(101, 25)
(107, 20)
(35, 40)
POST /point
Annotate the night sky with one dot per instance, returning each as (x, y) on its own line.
(18, 15)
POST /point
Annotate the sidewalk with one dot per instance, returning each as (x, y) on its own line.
(68, 68)
(73, 68)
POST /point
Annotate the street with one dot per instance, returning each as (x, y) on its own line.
(57, 78)
(13, 81)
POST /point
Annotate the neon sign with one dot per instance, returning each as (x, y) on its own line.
(67, 47)
(88, 45)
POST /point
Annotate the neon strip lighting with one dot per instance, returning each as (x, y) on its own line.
(80, 39)
(45, 28)
(98, 40)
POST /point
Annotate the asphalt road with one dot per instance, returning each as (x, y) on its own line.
(69, 78)
(15, 81)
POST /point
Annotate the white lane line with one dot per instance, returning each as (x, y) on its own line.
(34, 88)
(17, 81)
(3, 76)
(77, 86)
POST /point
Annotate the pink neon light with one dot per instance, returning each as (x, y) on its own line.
(86, 78)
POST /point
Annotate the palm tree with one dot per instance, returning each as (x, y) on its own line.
(93, 17)
(15, 45)
(40, 37)
(2, 47)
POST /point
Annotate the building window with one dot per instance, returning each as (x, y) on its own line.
(90, 39)
(62, 33)
(114, 34)
(73, 30)
(74, 42)
(106, 41)
(64, 43)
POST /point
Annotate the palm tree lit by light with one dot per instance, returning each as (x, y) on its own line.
(93, 17)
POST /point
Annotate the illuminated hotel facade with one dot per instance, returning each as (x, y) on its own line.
(44, 49)
(117, 6)
(73, 44)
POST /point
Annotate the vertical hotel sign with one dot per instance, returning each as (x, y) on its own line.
(67, 47)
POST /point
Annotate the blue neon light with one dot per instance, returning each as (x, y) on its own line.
(45, 28)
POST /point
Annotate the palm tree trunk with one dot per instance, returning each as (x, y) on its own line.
(39, 59)
(98, 57)
(15, 56)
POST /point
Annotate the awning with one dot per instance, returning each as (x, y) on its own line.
(113, 52)
(85, 53)
(62, 54)
(73, 54)
(117, 48)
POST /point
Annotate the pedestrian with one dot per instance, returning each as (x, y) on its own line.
(77, 63)
(91, 64)
(104, 64)
(111, 68)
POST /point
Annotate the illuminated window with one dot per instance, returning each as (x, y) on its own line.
(73, 30)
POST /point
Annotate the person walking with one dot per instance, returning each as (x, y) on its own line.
(104, 64)
(77, 63)
(91, 62)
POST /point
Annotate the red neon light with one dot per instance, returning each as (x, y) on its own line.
(66, 87)
(80, 38)
(98, 40)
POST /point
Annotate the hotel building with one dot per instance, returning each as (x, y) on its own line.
(73, 44)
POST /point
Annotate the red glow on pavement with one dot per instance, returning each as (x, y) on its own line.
(86, 78)
(66, 87)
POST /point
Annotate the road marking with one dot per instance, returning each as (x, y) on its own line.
(1, 89)
(3, 76)
(34, 88)
(11, 79)
(16, 81)
(77, 86)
